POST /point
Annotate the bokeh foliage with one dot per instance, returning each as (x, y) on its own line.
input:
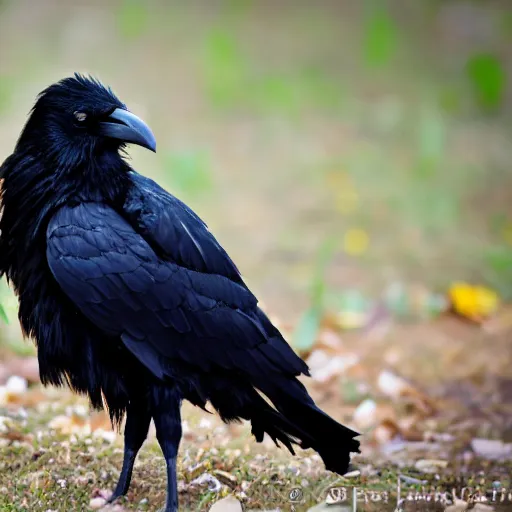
(379, 128)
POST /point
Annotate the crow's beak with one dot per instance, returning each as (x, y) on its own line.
(125, 126)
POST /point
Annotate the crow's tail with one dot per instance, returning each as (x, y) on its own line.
(306, 425)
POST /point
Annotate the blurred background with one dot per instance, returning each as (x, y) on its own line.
(353, 158)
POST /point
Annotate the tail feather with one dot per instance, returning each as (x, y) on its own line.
(294, 419)
(312, 427)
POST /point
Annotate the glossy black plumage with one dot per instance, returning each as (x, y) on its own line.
(131, 299)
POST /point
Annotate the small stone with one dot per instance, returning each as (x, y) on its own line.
(458, 506)
(491, 449)
(205, 423)
(430, 465)
(228, 504)
(107, 435)
(365, 414)
(16, 385)
(97, 503)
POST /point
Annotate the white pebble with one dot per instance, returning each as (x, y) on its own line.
(96, 503)
(365, 414)
(16, 385)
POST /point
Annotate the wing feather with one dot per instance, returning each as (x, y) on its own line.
(164, 310)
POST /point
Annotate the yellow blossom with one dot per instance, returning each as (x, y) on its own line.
(356, 241)
(474, 302)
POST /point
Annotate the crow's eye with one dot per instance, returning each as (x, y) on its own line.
(80, 116)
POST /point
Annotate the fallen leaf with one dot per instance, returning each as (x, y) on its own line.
(324, 366)
(196, 470)
(329, 340)
(473, 302)
(398, 388)
(225, 477)
(387, 431)
(213, 483)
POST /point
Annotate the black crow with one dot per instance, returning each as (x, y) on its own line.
(130, 298)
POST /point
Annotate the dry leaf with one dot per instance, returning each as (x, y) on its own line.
(213, 483)
(225, 477)
(398, 388)
(474, 302)
(386, 432)
(324, 366)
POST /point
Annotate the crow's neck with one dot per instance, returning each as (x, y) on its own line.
(35, 186)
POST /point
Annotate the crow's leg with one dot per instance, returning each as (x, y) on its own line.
(166, 414)
(136, 429)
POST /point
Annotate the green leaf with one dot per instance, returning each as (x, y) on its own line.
(488, 79)
(307, 329)
(132, 18)
(380, 38)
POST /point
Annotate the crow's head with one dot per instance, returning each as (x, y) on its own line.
(79, 114)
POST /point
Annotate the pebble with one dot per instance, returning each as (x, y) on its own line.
(458, 506)
(228, 504)
(430, 465)
(97, 503)
(16, 385)
(365, 413)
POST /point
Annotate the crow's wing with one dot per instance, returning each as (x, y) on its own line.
(162, 310)
(175, 231)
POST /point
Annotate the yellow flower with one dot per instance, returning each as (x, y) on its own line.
(356, 241)
(474, 302)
